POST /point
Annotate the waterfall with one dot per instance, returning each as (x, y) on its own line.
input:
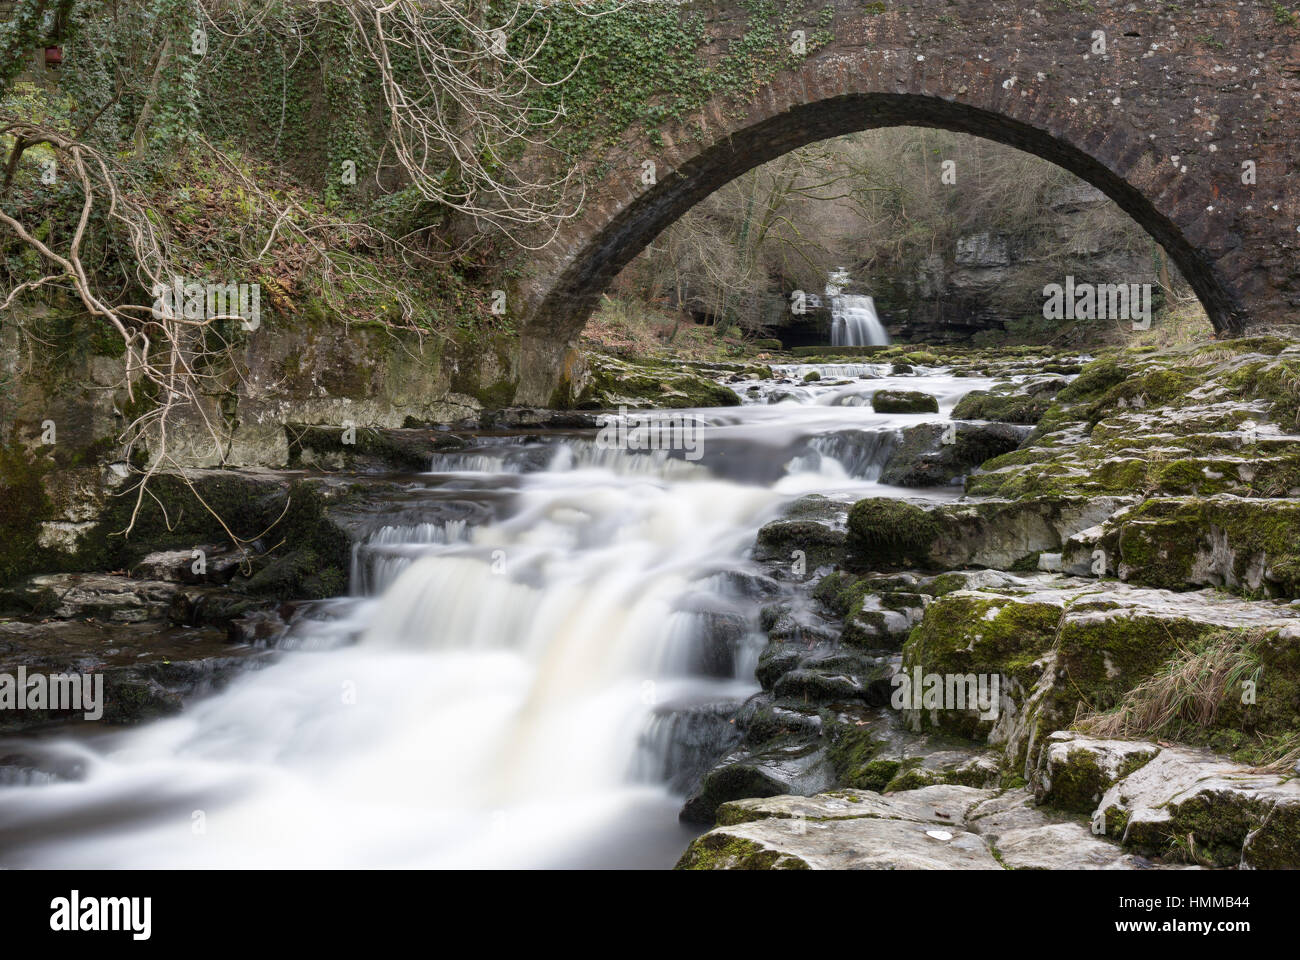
(853, 317)
(546, 646)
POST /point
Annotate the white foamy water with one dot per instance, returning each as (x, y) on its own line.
(507, 677)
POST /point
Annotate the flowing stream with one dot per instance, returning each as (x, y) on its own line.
(503, 688)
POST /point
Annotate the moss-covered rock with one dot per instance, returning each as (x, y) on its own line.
(719, 851)
(23, 506)
(903, 401)
(1192, 806)
(793, 763)
(889, 533)
(1002, 407)
(1065, 649)
(819, 542)
(967, 634)
(367, 447)
(1249, 545)
(1074, 770)
(847, 829)
(936, 454)
(611, 382)
(878, 612)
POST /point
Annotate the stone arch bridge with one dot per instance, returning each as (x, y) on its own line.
(1188, 104)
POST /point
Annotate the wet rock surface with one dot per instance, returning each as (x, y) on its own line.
(148, 669)
(1081, 586)
(943, 827)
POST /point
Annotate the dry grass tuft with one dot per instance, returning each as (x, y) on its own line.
(1184, 323)
(1187, 692)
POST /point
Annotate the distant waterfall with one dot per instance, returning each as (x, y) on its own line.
(853, 318)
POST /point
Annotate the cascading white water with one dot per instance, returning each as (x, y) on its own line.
(503, 692)
(853, 317)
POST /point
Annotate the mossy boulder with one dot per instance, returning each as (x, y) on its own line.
(819, 542)
(903, 401)
(884, 532)
(1189, 805)
(719, 851)
(1096, 378)
(968, 634)
(936, 454)
(1002, 407)
(611, 382)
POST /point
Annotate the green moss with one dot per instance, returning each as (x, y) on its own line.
(1027, 564)
(1182, 476)
(903, 401)
(23, 506)
(1001, 407)
(1100, 658)
(719, 851)
(839, 592)
(1252, 713)
(1150, 388)
(302, 553)
(821, 544)
(1115, 821)
(830, 354)
(640, 66)
(946, 583)
(888, 532)
(1096, 378)
(852, 754)
(646, 383)
(1217, 824)
(966, 634)
(1159, 540)
(1079, 783)
(910, 775)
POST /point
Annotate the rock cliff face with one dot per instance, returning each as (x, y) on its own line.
(991, 283)
(64, 405)
(985, 285)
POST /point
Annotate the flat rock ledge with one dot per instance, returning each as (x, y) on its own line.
(941, 827)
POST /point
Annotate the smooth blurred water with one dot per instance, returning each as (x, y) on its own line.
(493, 693)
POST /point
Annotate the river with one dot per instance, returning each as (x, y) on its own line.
(496, 693)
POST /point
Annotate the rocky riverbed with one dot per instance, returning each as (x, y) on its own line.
(1098, 550)
(1126, 569)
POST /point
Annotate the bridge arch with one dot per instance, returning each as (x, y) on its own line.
(1155, 126)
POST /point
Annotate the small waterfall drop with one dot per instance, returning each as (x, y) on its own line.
(853, 317)
(546, 645)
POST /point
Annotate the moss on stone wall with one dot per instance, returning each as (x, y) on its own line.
(23, 505)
